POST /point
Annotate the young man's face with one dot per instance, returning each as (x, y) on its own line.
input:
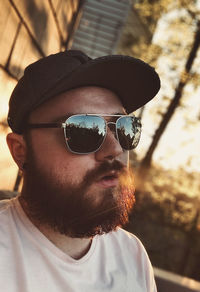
(77, 195)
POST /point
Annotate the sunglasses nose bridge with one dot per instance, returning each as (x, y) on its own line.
(110, 123)
(112, 127)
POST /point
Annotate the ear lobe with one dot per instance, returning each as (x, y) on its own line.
(17, 147)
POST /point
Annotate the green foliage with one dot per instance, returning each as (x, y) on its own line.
(173, 194)
(5, 194)
(142, 23)
(151, 11)
(167, 219)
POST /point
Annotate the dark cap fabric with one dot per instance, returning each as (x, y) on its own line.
(134, 81)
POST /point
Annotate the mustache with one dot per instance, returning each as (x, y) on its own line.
(106, 166)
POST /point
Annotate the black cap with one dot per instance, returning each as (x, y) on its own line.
(134, 81)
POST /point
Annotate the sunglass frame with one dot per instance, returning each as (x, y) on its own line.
(62, 125)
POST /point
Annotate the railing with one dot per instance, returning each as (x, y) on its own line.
(167, 281)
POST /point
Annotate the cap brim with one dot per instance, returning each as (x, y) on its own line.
(134, 81)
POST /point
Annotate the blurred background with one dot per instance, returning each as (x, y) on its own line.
(164, 33)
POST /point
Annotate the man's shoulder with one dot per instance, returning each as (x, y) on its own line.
(125, 239)
(128, 248)
(122, 234)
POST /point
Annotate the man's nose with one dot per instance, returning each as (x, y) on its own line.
(111, 149)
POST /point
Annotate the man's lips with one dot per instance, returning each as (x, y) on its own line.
(108, 180)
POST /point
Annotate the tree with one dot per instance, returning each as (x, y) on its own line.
(185, 77)
(182, 26)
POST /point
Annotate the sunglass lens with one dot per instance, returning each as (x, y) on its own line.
(128, 131)
(84, 133)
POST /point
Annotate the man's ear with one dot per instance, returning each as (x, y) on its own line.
(17, 146)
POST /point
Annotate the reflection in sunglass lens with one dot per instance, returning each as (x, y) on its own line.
(84, 133)
(128, 131)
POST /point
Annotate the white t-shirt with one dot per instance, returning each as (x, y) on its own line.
(29, 262)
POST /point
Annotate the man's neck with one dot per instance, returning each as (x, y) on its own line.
(74, 247)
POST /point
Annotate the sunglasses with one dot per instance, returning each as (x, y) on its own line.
(85, 133)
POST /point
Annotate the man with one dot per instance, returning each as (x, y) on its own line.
(71, 133)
